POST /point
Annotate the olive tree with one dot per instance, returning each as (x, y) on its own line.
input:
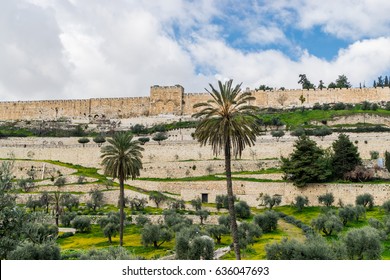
(268, 221)
(156, 235)
(363, 243)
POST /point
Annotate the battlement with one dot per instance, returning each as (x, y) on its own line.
(165, 100)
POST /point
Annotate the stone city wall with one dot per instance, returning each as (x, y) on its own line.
(172, 100)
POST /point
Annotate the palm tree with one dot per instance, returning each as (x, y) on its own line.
(122, 159)
(228, 123)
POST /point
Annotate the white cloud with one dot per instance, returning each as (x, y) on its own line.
(97, 48)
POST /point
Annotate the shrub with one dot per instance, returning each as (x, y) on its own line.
(277, 134)
(143, 140)
(33, 251)
(142, 220)
(83, 141)
(301, 202)
(67, 218)
(268, 221)
(99, 140)
(327, 223)
(326, 199)
(270, 201)
(366, 200)
(314, 248)
(224, 221)
(374, 154)
(247, 232)
(82, 224)
(386, 206)
(363, 243)
(66, 234)
(111, 253)
(160, 136)
(347, 214)
(339, 106)
(156, 235)
(242, 209)
(190, 246)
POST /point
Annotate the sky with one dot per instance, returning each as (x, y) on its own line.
(76, 49)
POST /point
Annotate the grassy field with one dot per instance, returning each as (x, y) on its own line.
(132, 237)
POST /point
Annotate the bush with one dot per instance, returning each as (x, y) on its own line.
(111, 253)
(386, 206)
(242, 209)
(247, 232)
(268, 221)
(347, 214)
(327, 223)
(314, 248)
(66, 218)
(66, 235)
(82, 224)
(366, 200)
(301, 202)
(225, 221)
(326, 199)
(32, 251)
(99, 140)
(339, 106)
(156, 235)
(142, 220)
(363, 243)
(270, 201)
(374, 154)
(190, 246)
(143, 140)
(83, 141)
(277, 134)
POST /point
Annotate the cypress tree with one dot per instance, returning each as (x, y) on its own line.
(346, 156)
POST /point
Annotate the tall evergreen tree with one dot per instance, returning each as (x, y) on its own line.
(386, 83)
(346, 156)
(307, 164)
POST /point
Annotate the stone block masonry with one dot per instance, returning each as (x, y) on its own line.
(172, 100)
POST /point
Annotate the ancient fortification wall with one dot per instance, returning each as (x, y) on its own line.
(172, 100)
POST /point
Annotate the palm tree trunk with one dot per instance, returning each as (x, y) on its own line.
(232, 211)
(121, 207)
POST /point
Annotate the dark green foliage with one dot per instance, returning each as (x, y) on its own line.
(110, 225)
(157, 197)
(387, 160)
(138, 204)
(177, 204)
(268, 221)
(243, 210)
(306, 153)
(292, 220)
(247, 232)
(360, 212)
(277, 134)
(314, 248)
(345, 157)
(363, 243)
(366, 200)
(83, 141)
(322, 132)
(142, 220)
(221, 201)
(33, 203)
(175, 221)
(386, 206)
(342, 82)
(298, 132)
(96, 199)
(347, 214)
(26, 184)
(301, 202)
(339, 106)
(216, 231)
(99, 140)
(160, 136)
(374, 154)
(143, 140)
(138, 129)
(66, 235)
(69, 201)
(327, 223)
(224, 221)
(304, 81)
(201, 248)
(203, 215)
(111, 253)
(61, 181)
(326, 199)
(191, 244)
(33, 251)
(82, 224)
(156, 235)
(196, 203)
(66, 218)
(270, 201)
(375, 223)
